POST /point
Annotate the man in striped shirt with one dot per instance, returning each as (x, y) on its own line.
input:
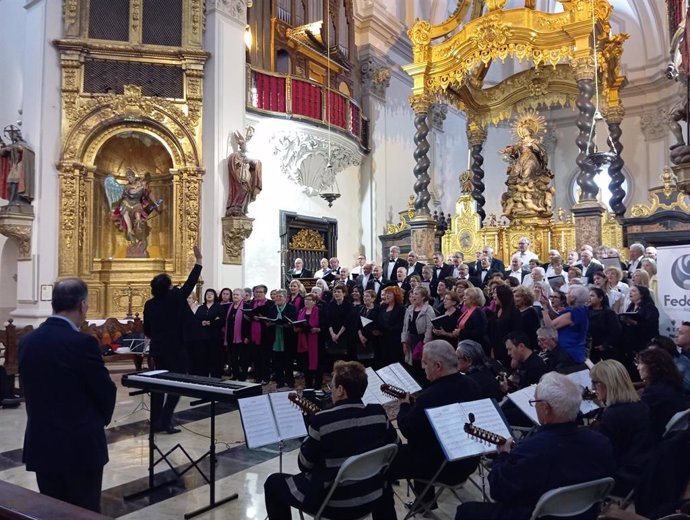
(348, 428)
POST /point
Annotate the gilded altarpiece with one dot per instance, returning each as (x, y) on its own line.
(105, 131)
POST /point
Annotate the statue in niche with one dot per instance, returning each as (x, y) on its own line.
(678, 70)
(17, 168)
(529, 192)
(131, 207)
(244, 177)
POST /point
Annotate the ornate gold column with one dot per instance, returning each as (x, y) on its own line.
(423, 226)
(236, 230)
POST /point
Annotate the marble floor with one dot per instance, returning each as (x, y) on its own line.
(238, 470)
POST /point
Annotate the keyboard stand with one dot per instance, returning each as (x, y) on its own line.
(210, 479)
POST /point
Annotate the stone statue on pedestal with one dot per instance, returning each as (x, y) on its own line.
(244, 177)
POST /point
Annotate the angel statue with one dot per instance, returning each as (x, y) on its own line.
(244, 177)
(529, 191)
(131, 206)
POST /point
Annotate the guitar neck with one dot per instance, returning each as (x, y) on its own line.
(305, 405)
(393, 391)
(484, 435)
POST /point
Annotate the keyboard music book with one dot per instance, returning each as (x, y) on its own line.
(269, 419)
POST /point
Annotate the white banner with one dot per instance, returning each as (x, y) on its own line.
(673, 287)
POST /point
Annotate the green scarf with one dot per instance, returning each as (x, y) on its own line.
(279, 342)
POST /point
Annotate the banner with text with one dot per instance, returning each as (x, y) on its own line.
(673, 287)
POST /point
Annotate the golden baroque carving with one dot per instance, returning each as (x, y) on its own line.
(583, 67)
(307, 239)
(70, 10)
(476, 132)
(614, 115)
(420, 33)
(420, 103)
(491, 38)
(678, 202)
(235, 231)
(196, 16)
(20, 233)
(495, 5)
(135, 9)
(68, 222)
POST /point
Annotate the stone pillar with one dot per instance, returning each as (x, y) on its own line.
(222, 239)
(376, 74)
(476, 137)
(587, 211)
(37, 261)
(423, 226)
(614, 118)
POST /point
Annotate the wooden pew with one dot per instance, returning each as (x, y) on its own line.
(18, 503)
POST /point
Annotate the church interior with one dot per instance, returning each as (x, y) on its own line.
(267, 131)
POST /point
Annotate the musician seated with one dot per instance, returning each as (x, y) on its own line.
(422, 456)
(555, 357)
(348, 428)
(558, 454)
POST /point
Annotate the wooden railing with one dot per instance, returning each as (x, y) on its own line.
(297, 98)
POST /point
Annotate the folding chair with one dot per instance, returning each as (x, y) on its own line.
(573, 500)
(357, 468)
(421, 507)
(680, 421)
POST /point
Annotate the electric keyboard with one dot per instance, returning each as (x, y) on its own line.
(191, 386)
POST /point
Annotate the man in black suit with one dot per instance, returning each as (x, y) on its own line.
(474, 264)
(299, 271)
(413, 266)
(588, 266)
(375, 282)
(494, 263)
(390, 265)
(363, 280)
(400, 281)
(163, 318)
(483, 272)
(422, 456)
(344, 278)
(70, 399)
(457, 260)
(441, 270)
(516, 269)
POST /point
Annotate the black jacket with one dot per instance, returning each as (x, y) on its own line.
(399, 262)
(70, 399)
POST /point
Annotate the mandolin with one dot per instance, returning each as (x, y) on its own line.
(482, 434)
(304, 404)
(589, 395)
(395, 391)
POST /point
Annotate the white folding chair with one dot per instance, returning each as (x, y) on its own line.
(357, 468)
(680, 421)
(573, 500)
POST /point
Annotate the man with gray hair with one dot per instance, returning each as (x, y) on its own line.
(636, 256)
(422, 456)
(554, 356)
(558, 454)
(391, 264)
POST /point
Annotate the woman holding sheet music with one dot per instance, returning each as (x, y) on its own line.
(445, 324)
(640, 320)
(310, 342)
(390, 323)
(604, 327)
(504, 320)
(473, 322)
(367, 335)
(237, 333)
(210, 315)
(339, 320)
(417, 329)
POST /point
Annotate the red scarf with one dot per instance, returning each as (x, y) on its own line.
(309, 341)
(256, 325)
(465, 316)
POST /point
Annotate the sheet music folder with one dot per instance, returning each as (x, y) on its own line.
(393, 374)
(269, 419)
(448, 424)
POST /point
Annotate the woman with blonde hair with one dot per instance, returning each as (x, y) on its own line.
(625, 420)
(473, 321)
(417, 329)
(615, 297)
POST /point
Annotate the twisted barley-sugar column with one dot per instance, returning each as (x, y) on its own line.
(476, 137)
(584, 74)
(614, 118)
(421, 104)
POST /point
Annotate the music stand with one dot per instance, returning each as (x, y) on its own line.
(138, 346)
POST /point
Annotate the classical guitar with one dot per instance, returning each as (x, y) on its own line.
(395, 391)
(304, 404)
(482, 434)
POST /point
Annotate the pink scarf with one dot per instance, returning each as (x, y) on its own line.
(465, 316)
(237, 325)
(256, 325)
(309, 341)
(298, 302)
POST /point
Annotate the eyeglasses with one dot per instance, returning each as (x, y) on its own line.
(533, 402)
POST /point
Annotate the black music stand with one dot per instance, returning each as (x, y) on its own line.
(211, 453)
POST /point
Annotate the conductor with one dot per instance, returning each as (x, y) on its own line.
(163, 319)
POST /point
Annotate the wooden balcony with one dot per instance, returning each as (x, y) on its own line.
(288, 97)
